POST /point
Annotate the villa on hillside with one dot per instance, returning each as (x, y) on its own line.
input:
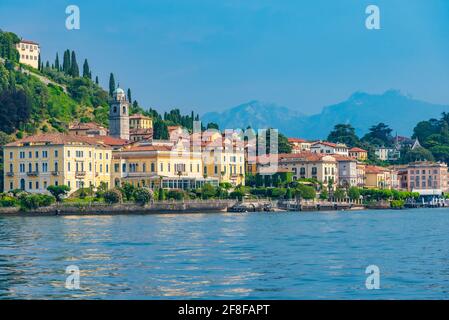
(325, 147)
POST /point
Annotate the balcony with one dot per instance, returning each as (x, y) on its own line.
(32, 173)
(80, 174)
(55, 173)
(10, 174)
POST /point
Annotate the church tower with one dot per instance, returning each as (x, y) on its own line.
(119, 115)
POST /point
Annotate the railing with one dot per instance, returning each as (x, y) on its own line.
(80, 174)
(32, 173)
(55, 173)
(10, 174)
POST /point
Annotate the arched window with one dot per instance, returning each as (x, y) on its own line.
(124, 110)
(22, 184)
(115, 109)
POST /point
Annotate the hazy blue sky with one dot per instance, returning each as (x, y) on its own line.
(215, 54)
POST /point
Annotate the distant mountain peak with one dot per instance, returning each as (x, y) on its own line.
(362, 110)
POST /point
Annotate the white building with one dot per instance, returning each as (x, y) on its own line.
(330, 148)
(29, 53)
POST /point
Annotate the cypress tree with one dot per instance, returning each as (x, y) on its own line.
(57, 62)
(111, 84)
(86, 70)
(66, 62)
(129, 95)
(39, 63)
(47, 65)
(74, 70)
(96, 80)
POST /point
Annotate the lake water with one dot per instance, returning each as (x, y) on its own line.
(228, 256)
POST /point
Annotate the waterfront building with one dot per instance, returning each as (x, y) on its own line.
(347, 171)
(427, 178)
(325, 147)
(361, 176)
(299, 145)
(140, 128)
(358, 153)
(119, 115)
(37, 162)
(223, 158)
(167, 165)
(377, 177)
(320, 167)
(28, 53)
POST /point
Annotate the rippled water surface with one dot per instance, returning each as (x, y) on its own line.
(229, 256)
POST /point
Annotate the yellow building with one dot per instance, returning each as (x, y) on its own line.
(37, 162)
(223, 158)
(322, 167)
(29, 53)
(299, 145)
(358, 153)
(139, 121)
(172, 166)
(377, 177)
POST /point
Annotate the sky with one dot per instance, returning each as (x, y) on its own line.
(211, 55)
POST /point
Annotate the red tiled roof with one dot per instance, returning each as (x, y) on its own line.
(355, 149)
(305, 156)
(137, 148)
(85, 126)
(375, 169)
(111, 141)
(139, 116)
(29, 42)
(57, 139)
(296, 140)
(340, 157)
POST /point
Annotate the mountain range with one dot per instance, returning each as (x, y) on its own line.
(361, 110)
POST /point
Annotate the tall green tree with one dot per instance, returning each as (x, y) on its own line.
(66, 63)
(380, 135)
(344, 133)
(57, 62)
(74, 69)
(86, 70)
(111, 84)
(129, 96)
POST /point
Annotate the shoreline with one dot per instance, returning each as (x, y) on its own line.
(193, 207)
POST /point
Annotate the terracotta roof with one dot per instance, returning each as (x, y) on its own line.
(111, 141)
(375, 169)
(355, 149)
(137, 148)
(296, 140)
(58, 139)
(340, 157)
(139, 116)
(85, 126)
(29, 42)
(305, 156)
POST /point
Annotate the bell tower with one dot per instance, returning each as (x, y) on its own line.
(119, 115)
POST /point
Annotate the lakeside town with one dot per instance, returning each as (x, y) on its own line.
(124, 162)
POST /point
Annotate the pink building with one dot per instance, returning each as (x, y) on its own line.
(427, 178)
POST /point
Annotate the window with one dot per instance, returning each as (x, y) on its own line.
(90, 167)
(30, 154)
(68, 166)
(152, 167)
(11, 186)
(10, 155)
(45, 184)
(44, 167)
(68, 153)
(124, 167)
(30, 167)
(107, 168)
(101, 168)
(22, 155)
(11, 167)
(22, 167)
(116, 167)
(45, 154)
(162, 167)
(30, 185)
(37, 184)
(68, 183)
(56, 153)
